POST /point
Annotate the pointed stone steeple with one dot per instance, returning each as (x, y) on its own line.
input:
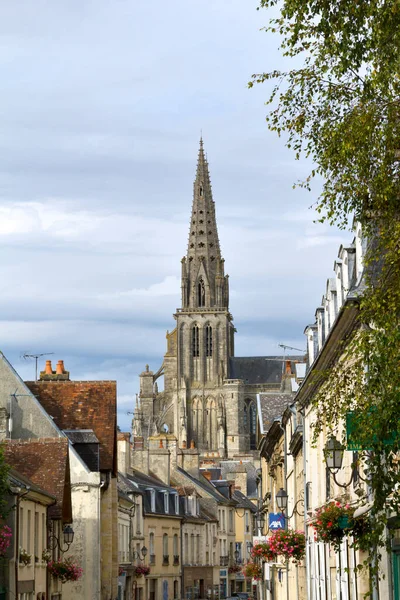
(204, 284)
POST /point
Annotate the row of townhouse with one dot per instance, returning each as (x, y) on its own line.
(169, 529)
(297, 478)
(184, 535)
(59, 437)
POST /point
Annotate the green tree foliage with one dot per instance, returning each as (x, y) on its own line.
(341, 108)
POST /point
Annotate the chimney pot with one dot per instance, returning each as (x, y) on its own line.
(48, 368)
(288, 367)
(161, 445)
(59, 368)
(62, 365)
(184, 444)
(192, 444)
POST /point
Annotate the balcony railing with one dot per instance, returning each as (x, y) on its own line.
(176, 560)
(224, 561)
(152, 559)
(165, 559)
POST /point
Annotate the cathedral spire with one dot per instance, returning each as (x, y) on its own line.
(203, 280)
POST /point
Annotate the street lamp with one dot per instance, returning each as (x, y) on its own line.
(282, 499)
(282, 502)
(333, 453)
(68, 538)
(260, 521)
(136, 554)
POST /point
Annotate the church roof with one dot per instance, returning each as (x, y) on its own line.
(203, 235)
(260, 369)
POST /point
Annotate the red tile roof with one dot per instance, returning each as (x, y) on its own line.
(45, 461)
(83, 405)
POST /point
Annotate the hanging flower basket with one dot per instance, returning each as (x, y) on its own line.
(235, 569)
(65, 570)
(264, 552)
(332, 522)
(252, 570)
(289, 543)
(5, 539)
(141, 570)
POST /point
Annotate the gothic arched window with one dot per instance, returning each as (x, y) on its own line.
(253, 418)
(201, 293)
(195, 341)
(208, 340)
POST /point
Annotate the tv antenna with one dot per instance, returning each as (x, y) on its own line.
(36, 357)
(284, 346)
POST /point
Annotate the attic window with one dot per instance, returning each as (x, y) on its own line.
(176, 504)
(152, 500)
(166, 502)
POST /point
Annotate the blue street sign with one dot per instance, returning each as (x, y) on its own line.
(276, 521)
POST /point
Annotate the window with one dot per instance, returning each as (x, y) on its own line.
(195, 341)
(166, 502)
(192, 549)
(253, 418)
(208, 340)
(231, 520)
(186, 548)
(165, 549)
(152, 495)
(175, 545)
(21, 527)
(151, 540)
(36, 538)
(176, 504)
(28, 531)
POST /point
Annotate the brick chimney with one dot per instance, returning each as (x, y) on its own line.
(60, 374)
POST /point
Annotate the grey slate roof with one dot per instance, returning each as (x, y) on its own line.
(260, 369)
(273, 406)
(226, 467)
(81, 436)
(243, 501)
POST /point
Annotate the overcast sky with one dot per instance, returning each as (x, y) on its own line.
(101, 105)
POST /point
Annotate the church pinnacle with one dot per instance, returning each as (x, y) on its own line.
(204, 283)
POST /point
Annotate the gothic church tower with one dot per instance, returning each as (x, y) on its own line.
(206, 401)
(204, 325)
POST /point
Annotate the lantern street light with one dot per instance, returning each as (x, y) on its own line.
(282, 502)
(333, 453)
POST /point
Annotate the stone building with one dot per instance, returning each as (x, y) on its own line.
(209, 395)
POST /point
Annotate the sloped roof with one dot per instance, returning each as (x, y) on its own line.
(83, 405)
(17, 479)
(273, 406)
(245, 466)
(260, 369)
(45, 461)
(243, 501)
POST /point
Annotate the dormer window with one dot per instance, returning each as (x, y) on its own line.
(152, 495)
(166, 502)
(176, 504)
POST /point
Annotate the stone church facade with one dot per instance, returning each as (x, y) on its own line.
(209, 399)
